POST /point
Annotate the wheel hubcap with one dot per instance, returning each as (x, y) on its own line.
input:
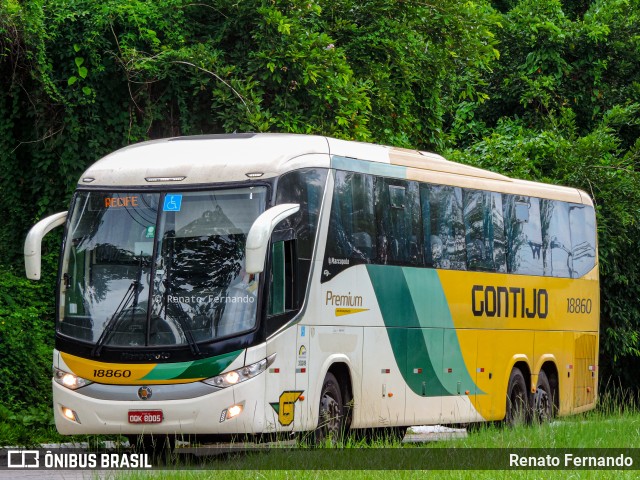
(542, 405)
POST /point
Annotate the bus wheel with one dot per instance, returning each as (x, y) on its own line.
(331, 412)
(543, 399)
(517, 399)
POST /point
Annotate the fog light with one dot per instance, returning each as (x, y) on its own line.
(234, 411)
(231, 412)
(70, 414)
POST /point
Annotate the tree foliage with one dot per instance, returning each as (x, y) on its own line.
(547, 90)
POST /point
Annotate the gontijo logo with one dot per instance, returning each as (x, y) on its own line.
(514, 302)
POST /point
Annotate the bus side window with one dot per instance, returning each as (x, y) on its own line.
(582, 224)
(282, 294)
(447, 228)
(556, 239)
(351, 228)
(304, 187)
(484, 231)
(524, 235)
(398, 222)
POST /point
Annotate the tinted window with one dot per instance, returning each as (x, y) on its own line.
(524, 235)
(305, 187)
(398, 222)
(556, 238)
(484, 230)
(352, 223)
(582, 224)
(447, 228)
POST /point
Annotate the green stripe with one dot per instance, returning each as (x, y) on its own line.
(421, 330)
(203, 368)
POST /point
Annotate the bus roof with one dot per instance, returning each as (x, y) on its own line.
(207, 159)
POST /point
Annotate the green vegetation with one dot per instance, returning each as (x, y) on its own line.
(379, 475)
(607, 427)
(540, 89)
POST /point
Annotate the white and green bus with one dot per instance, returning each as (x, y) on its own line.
(254, 284)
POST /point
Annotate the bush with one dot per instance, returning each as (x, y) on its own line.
(26, 339)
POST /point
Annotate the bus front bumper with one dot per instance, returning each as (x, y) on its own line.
(76, 413)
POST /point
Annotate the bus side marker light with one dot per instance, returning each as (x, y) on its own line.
(390, 394)
(385, 370)
(417, 370)
(301, 398)
(466, 392)
(164, 179)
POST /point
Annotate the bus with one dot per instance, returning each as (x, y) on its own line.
(258, 284)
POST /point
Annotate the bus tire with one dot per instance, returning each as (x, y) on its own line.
(517, 399)
(330, 412)
(542, 407)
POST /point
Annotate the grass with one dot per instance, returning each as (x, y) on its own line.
(31, 428)
(614, 424)
(617, 427)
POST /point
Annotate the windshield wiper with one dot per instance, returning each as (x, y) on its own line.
(131, 295)
(187, 331)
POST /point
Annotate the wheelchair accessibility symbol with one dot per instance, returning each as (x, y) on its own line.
(172, 203)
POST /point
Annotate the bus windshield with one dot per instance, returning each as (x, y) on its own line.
(151, 269)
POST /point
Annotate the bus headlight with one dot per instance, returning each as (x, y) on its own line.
(69, 380)
(241, 374)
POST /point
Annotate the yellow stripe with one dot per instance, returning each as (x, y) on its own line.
(111, 373)
(348, 311)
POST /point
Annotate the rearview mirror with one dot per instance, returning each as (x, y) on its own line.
(260, 232)
(33, 243)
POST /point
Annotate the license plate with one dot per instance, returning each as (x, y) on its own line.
(145, 416)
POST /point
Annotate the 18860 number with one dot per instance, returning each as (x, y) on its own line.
(579, 305)
(112, 373)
